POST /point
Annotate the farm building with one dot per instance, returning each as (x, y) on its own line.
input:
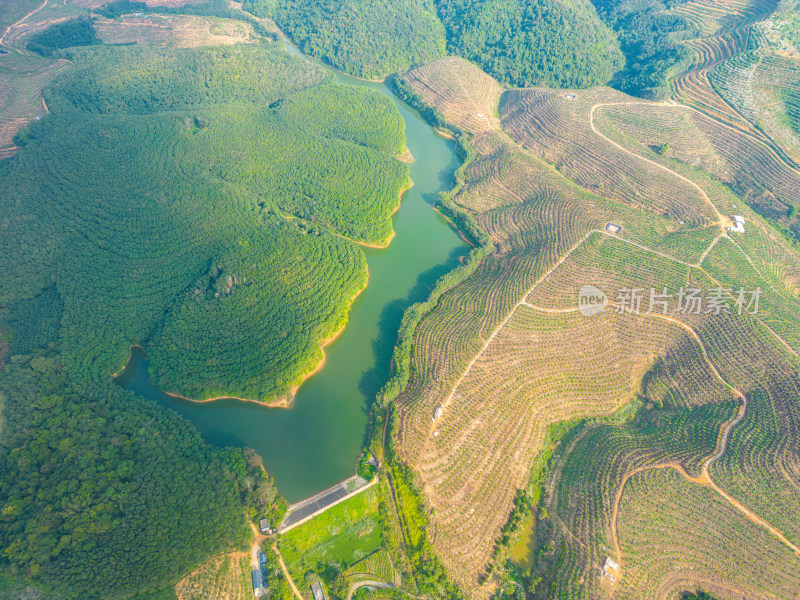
(263, 525)
(258, 584)
(570, 96)
(610, 564)
(438, 413)
(613, 228)
(316, 590)
(738, 224)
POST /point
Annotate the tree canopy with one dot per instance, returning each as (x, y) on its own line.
(533, 42)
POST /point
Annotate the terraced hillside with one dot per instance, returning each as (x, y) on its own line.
(762, 83)
(209, 204)
(22, 79)
(291, 216)
(728, 26)
(507, 353)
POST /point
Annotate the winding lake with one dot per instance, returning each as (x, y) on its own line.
(316, 443)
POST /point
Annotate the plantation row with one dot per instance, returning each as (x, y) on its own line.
(754, 171)
(183, 31)
(673, 533)
(22, 79)
(731, 32)
(165, 203)
(226, 575)
(584, 495)
(754, 470)
(759, 469)
(763, 86)
(501, 383)
(776, 274)
(533, 218)
(530, 377)
(456, 92)
(558, 130)
(611, 265)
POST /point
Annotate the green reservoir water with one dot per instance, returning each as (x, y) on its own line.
(316, 443)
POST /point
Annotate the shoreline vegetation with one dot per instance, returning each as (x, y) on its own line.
(383, 245)
(286, 401)
(158, 217)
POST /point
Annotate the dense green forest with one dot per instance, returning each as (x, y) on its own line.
(533, 42)
(106, 495)
(650, 40)
(636, 46)
(366, 38)
(186, 200)
(75, 32)
(195, 189)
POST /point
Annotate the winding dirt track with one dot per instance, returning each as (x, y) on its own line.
(705, 478)
(720, 219)
(286, 574)
(19, 22)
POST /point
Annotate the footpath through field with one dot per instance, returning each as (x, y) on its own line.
(309, 508)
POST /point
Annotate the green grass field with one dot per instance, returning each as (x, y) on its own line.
(341, 536)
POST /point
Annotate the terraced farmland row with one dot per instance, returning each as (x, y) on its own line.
(727, 25)
(763, 84)
(676, 535)
(506, 353)
(752, 170)
(22, 79)
(730, 28)
(581, 503)
(559, 131)
(474, 357)
(530, 377)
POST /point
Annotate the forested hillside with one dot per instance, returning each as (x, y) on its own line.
(533, 42)
(197, 202)
(202, 189)
(650, 40)
(366, 38)
(103, 494)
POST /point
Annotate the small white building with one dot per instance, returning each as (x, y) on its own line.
(738, 224)
(438, 412)
(610, 564)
